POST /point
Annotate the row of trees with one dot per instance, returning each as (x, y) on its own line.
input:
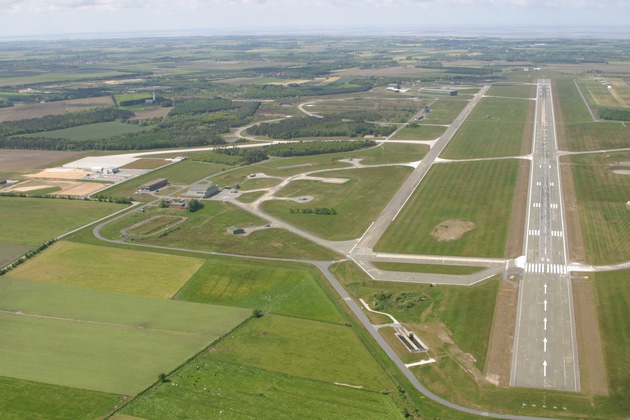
(614, 114)
(307, 148)
(27, 256)
(291, 128)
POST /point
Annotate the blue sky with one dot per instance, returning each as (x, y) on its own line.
(25, 18)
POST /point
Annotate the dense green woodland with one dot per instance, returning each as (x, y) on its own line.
(292, 128)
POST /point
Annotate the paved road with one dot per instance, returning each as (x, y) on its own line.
(545, 351)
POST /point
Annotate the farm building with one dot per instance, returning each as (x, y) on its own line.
(154, 185)
(235, 230)
(201, 190)
(450, 92)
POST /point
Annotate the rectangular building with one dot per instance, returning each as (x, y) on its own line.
(201, 191)
(432, 91)
(154, 185)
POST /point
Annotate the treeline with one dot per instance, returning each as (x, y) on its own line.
(291, 128)
(27, 256)
(281, 91)
(307, 148)
(232, 156)
(614, 114)
(101, 198)
(200, 106)
(317, 210)
(58, 122)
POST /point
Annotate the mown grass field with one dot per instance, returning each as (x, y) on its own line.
(95, 131)
(303, 348)
(276, 287)
(26, 399)
(613, 307)
(27, 221)
(107, 268)
(101, 341)
(478, 192)
(599, 96)
(496, 127)
(596, 136)
(513, 91)
(206, 230)
(210, 389)
(420, 132)
(572, 107)
(444, 111)
(364, 190)
(601, 196)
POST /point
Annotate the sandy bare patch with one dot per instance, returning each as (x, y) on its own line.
(30, 188)
(622, 172)
(451, 230)
(59, 173)
(80, 188)
(324, 180)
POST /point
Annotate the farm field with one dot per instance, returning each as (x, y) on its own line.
(95, 131)
(420, 132)
(39, 110)
(363, 189)
(599, 96)
(206, 230)
(479, 210)
(98, 340)
(275, 287)
(33, 227)
(111, 269)
(29, 160)
(207, 388)
(496, 127)
(601, 195)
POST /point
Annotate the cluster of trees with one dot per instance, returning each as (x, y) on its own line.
(307, 148)
(58, 122)
(397, 300)
(110, 199)
(291, 128)
(232, 156)
(614, 114)
(194, 205)
(27, 256)
(200, 106)
(316, 210)
(281, 91)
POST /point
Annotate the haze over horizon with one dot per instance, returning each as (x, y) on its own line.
(70, 18)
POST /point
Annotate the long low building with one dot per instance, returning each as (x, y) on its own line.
(154, 185)
(433, 91)
(201, 191)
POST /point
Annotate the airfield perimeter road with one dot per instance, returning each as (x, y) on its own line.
(380, 225)
(545, 351)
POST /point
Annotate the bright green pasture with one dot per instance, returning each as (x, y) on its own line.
(496, 127)
(613, 307)
(421, 132)
(276, 287)
(596, 136)
(427, 268)
(357, 202)
(513, 91)
(27, 221)
(35, 400)
(107, 268)
(479, 192)
(182, 173)
(602, 195)
(304, 348)
(210, 389)
(101, 341)
(257, 183)
(570, 103)
(206, 230)
(391, 153)
(444, 111)
(94, 131)
(461, 309)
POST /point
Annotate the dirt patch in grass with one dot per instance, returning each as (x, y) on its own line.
(590, 351)
(148, 114)
(499, 358)
(451, 230)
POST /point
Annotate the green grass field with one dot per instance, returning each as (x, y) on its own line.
(572, 107)
(27, 221)
(613, 307)
(478, 192)
(444, 110)
(596, 136)
(601, 195)
(210, 389)
(98, 340)
(513, 91)
(421, 132)
(35, 400)
(496, 127)
(107, 268)
(205, 230)
(304, 348)
(364, 190)
(277, 287)
(95, 131)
